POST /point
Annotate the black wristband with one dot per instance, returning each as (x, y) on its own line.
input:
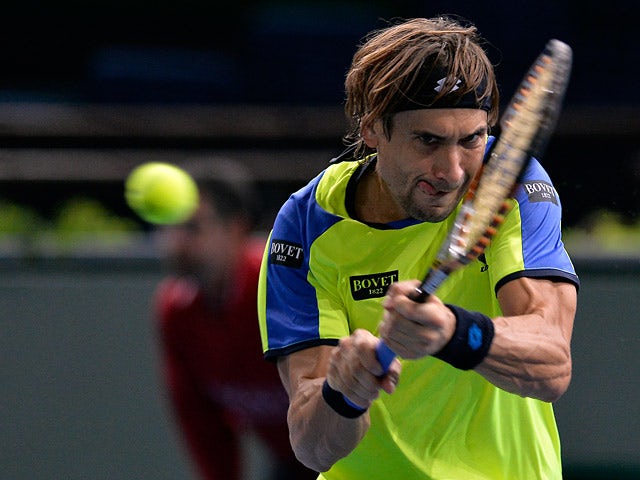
(471, 340)
(337, 402)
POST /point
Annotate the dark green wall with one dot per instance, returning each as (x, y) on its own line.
(599, 416)
(79, 395)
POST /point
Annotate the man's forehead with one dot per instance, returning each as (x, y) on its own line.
(443, 120)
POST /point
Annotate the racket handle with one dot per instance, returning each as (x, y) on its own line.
(353, 405)
(383, 352)
(385, 356)
(419, 295)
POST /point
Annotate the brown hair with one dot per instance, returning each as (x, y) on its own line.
(390, 66)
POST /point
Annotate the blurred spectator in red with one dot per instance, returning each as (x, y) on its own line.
(220, 387)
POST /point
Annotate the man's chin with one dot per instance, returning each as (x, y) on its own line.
(433, 214)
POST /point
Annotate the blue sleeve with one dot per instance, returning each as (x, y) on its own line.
(543, 252)
(292, 312)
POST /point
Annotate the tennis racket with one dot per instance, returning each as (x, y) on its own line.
(526, 127)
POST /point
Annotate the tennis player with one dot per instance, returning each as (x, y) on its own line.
(343, 258)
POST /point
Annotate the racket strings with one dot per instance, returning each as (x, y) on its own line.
(526, 126)
(522, 120)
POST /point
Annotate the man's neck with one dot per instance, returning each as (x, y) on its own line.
(374, 203)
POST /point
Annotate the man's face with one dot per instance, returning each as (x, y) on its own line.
(430, 159)
(198, 247)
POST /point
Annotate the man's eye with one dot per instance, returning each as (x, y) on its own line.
(471, 138)
(429, 139)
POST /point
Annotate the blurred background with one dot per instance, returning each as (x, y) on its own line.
(91, 89)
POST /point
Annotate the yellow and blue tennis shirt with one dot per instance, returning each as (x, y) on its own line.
(324, 274)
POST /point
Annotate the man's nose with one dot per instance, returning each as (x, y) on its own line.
(447, 165)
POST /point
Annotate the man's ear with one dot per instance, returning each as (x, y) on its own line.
(370, 136)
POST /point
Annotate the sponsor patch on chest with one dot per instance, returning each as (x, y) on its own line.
(373, 285)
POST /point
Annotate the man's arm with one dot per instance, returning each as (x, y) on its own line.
(530, 353)
(531, 350)
(319, 435)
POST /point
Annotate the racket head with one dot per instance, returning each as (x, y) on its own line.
(526, 127)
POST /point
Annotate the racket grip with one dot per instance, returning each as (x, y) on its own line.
(385, 356)
(383, 352)
(419, 295)
(353, 405)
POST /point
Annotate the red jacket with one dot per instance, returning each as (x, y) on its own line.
(218, 381)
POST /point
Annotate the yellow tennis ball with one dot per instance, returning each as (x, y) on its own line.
(161, 193)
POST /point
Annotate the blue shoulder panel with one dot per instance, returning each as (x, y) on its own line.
(541, 214)
(291, 303)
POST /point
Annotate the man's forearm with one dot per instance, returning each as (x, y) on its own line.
(320, 436)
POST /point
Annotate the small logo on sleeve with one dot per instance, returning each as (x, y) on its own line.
(286, 253)
(374, 285)
(483, 260)
(539, 191)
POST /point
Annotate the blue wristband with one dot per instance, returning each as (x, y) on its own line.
(339, 404)
(471, 340)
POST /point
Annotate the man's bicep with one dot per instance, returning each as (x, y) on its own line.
(554, 300)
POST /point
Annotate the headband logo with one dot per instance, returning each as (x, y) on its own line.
(426, 92)
(441, 84)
